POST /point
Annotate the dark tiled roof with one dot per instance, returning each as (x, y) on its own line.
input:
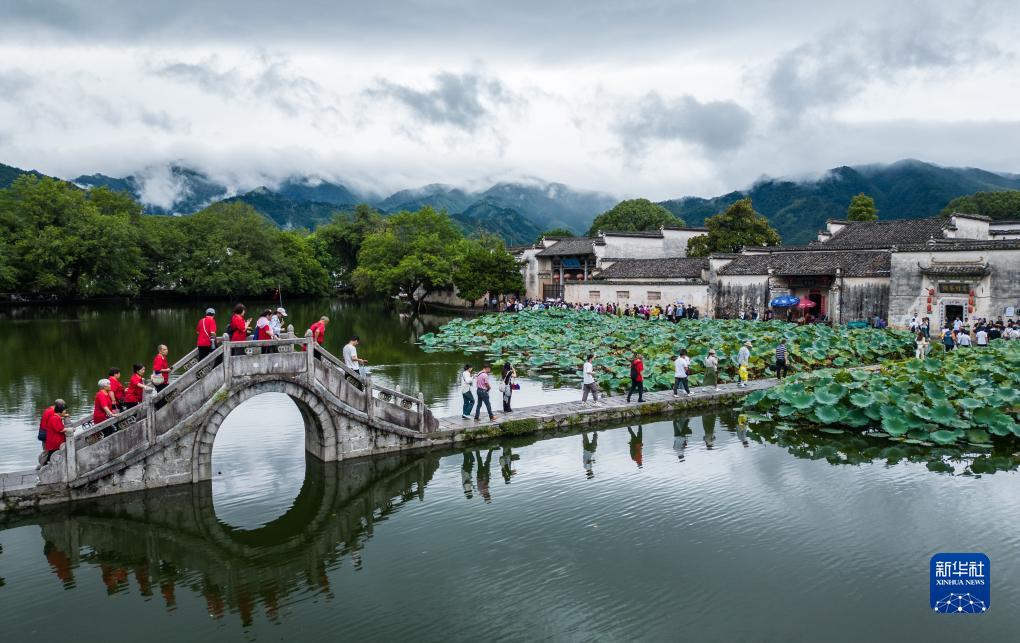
(884, 234)
(962, 270)
(955, 245)
(651, 234)
(518, 249)
(852, 263)
(570, 246)
(668, 268)
(688, 228)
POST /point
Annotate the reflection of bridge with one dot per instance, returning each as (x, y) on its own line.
(168, 438)
(170, 538)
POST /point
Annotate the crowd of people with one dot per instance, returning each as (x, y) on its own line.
(959, 334)
(670, 312)
(477, 388)
(114, 397)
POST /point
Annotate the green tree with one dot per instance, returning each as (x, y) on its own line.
(733, 229)
(338, 242)
(634, 215)
(555, 232)
(484, 266)
(862, 208)
(1002, 204)
(414, 253)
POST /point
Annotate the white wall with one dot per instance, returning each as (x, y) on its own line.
(967, 228)
(690, 294)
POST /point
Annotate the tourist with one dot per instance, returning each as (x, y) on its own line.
(160, 368)
(588, 384)
(466, 380)
(781, 369)
(963, 337)
(957, 325)
(238, 328)
(54, 430)
(681, 370)
(104, 407)
(135, 390)
(743, 363)
(319, 330)
(507, 385)
(116, 388)
(482, 388)
(44, 422)
(926, 328)
(276, 322)
(588, 452)
(981, 336)
(947, 339)
(922, 346)
(712, 370)
(636, 445)
(206, 332)
(637, 379)
(351, 359)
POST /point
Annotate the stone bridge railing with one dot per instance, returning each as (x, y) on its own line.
(195, 387)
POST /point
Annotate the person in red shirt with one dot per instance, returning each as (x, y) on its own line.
(637, 379)
(135, 389)
(238, 328)
(161, 368)
(104, 407)
(206, 331)
(44, 426)
(319, 330)
(55, 429)
(116, 388)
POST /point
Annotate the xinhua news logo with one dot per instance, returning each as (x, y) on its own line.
(960, 583)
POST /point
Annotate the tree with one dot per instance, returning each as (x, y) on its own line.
(555, 232)
(338, 242)
(484, 266)
(414, 253)
(862, 208)
(634, 215)
(733, 229)
(1003, 204)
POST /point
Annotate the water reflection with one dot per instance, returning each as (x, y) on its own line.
(588, 446)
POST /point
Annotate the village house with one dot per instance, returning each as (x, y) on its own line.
(962, 266)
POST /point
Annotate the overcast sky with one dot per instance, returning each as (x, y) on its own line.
(638, 98)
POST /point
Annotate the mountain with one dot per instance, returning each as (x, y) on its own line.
(163, 190)
(551, 205)
(287, 213)
(999, 206)
(487, 216)
(8, 173)
(902, 190)
(317, 190)
(437, 195)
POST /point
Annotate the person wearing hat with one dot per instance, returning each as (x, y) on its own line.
(743, 361)
(206, 331)
(712, 370)
(276, 322)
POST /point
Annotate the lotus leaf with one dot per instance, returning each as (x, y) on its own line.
(828, 414)
(943, 413)
(942, 437)
(969, 403)
(862, 399)
(894, 426)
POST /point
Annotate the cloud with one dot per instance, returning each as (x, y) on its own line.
(715, 126)
(463, 101)
(14, 84)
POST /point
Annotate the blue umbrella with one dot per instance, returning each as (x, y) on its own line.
(784, 301)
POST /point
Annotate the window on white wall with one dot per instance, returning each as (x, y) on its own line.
(654, 295)
(594, 294)
(623, 294)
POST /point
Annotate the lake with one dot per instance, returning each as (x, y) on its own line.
(674, 528)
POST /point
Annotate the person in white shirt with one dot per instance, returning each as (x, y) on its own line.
(466, 380)
(743, 363)
(957, 325)
(681, 367)
(963, 338)
(351, 359)
(588, 384)
(982, 337)
(276, 322)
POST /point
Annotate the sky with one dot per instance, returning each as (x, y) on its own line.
(650, 98)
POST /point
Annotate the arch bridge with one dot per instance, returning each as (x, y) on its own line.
(168, 438)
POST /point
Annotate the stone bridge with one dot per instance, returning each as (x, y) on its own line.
(168, 439)
(172, 541)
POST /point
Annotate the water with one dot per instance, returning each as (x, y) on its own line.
(678, 528)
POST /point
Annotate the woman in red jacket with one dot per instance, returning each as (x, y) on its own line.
(135, 390)
(161, 368)
(238, 328)
(206, 331)
(55, 429)
(105, 407)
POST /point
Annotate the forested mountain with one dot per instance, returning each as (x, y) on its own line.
(551, 205)
(289, 213)
(8, 173)
(439, 196)
(488, 217)
(167, 190)
(798, 209)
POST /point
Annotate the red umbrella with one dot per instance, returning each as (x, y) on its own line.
(806, 303)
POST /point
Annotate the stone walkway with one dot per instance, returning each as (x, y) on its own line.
(548, 416)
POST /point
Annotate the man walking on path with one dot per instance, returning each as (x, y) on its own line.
(482, 387)
(743, 363)
(466, 380)
(637, 379)
(681, 367)
(781, 359)
(588, 382)
(351, 359)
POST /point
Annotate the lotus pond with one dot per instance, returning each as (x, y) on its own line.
(554, 342)
(966, 396)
